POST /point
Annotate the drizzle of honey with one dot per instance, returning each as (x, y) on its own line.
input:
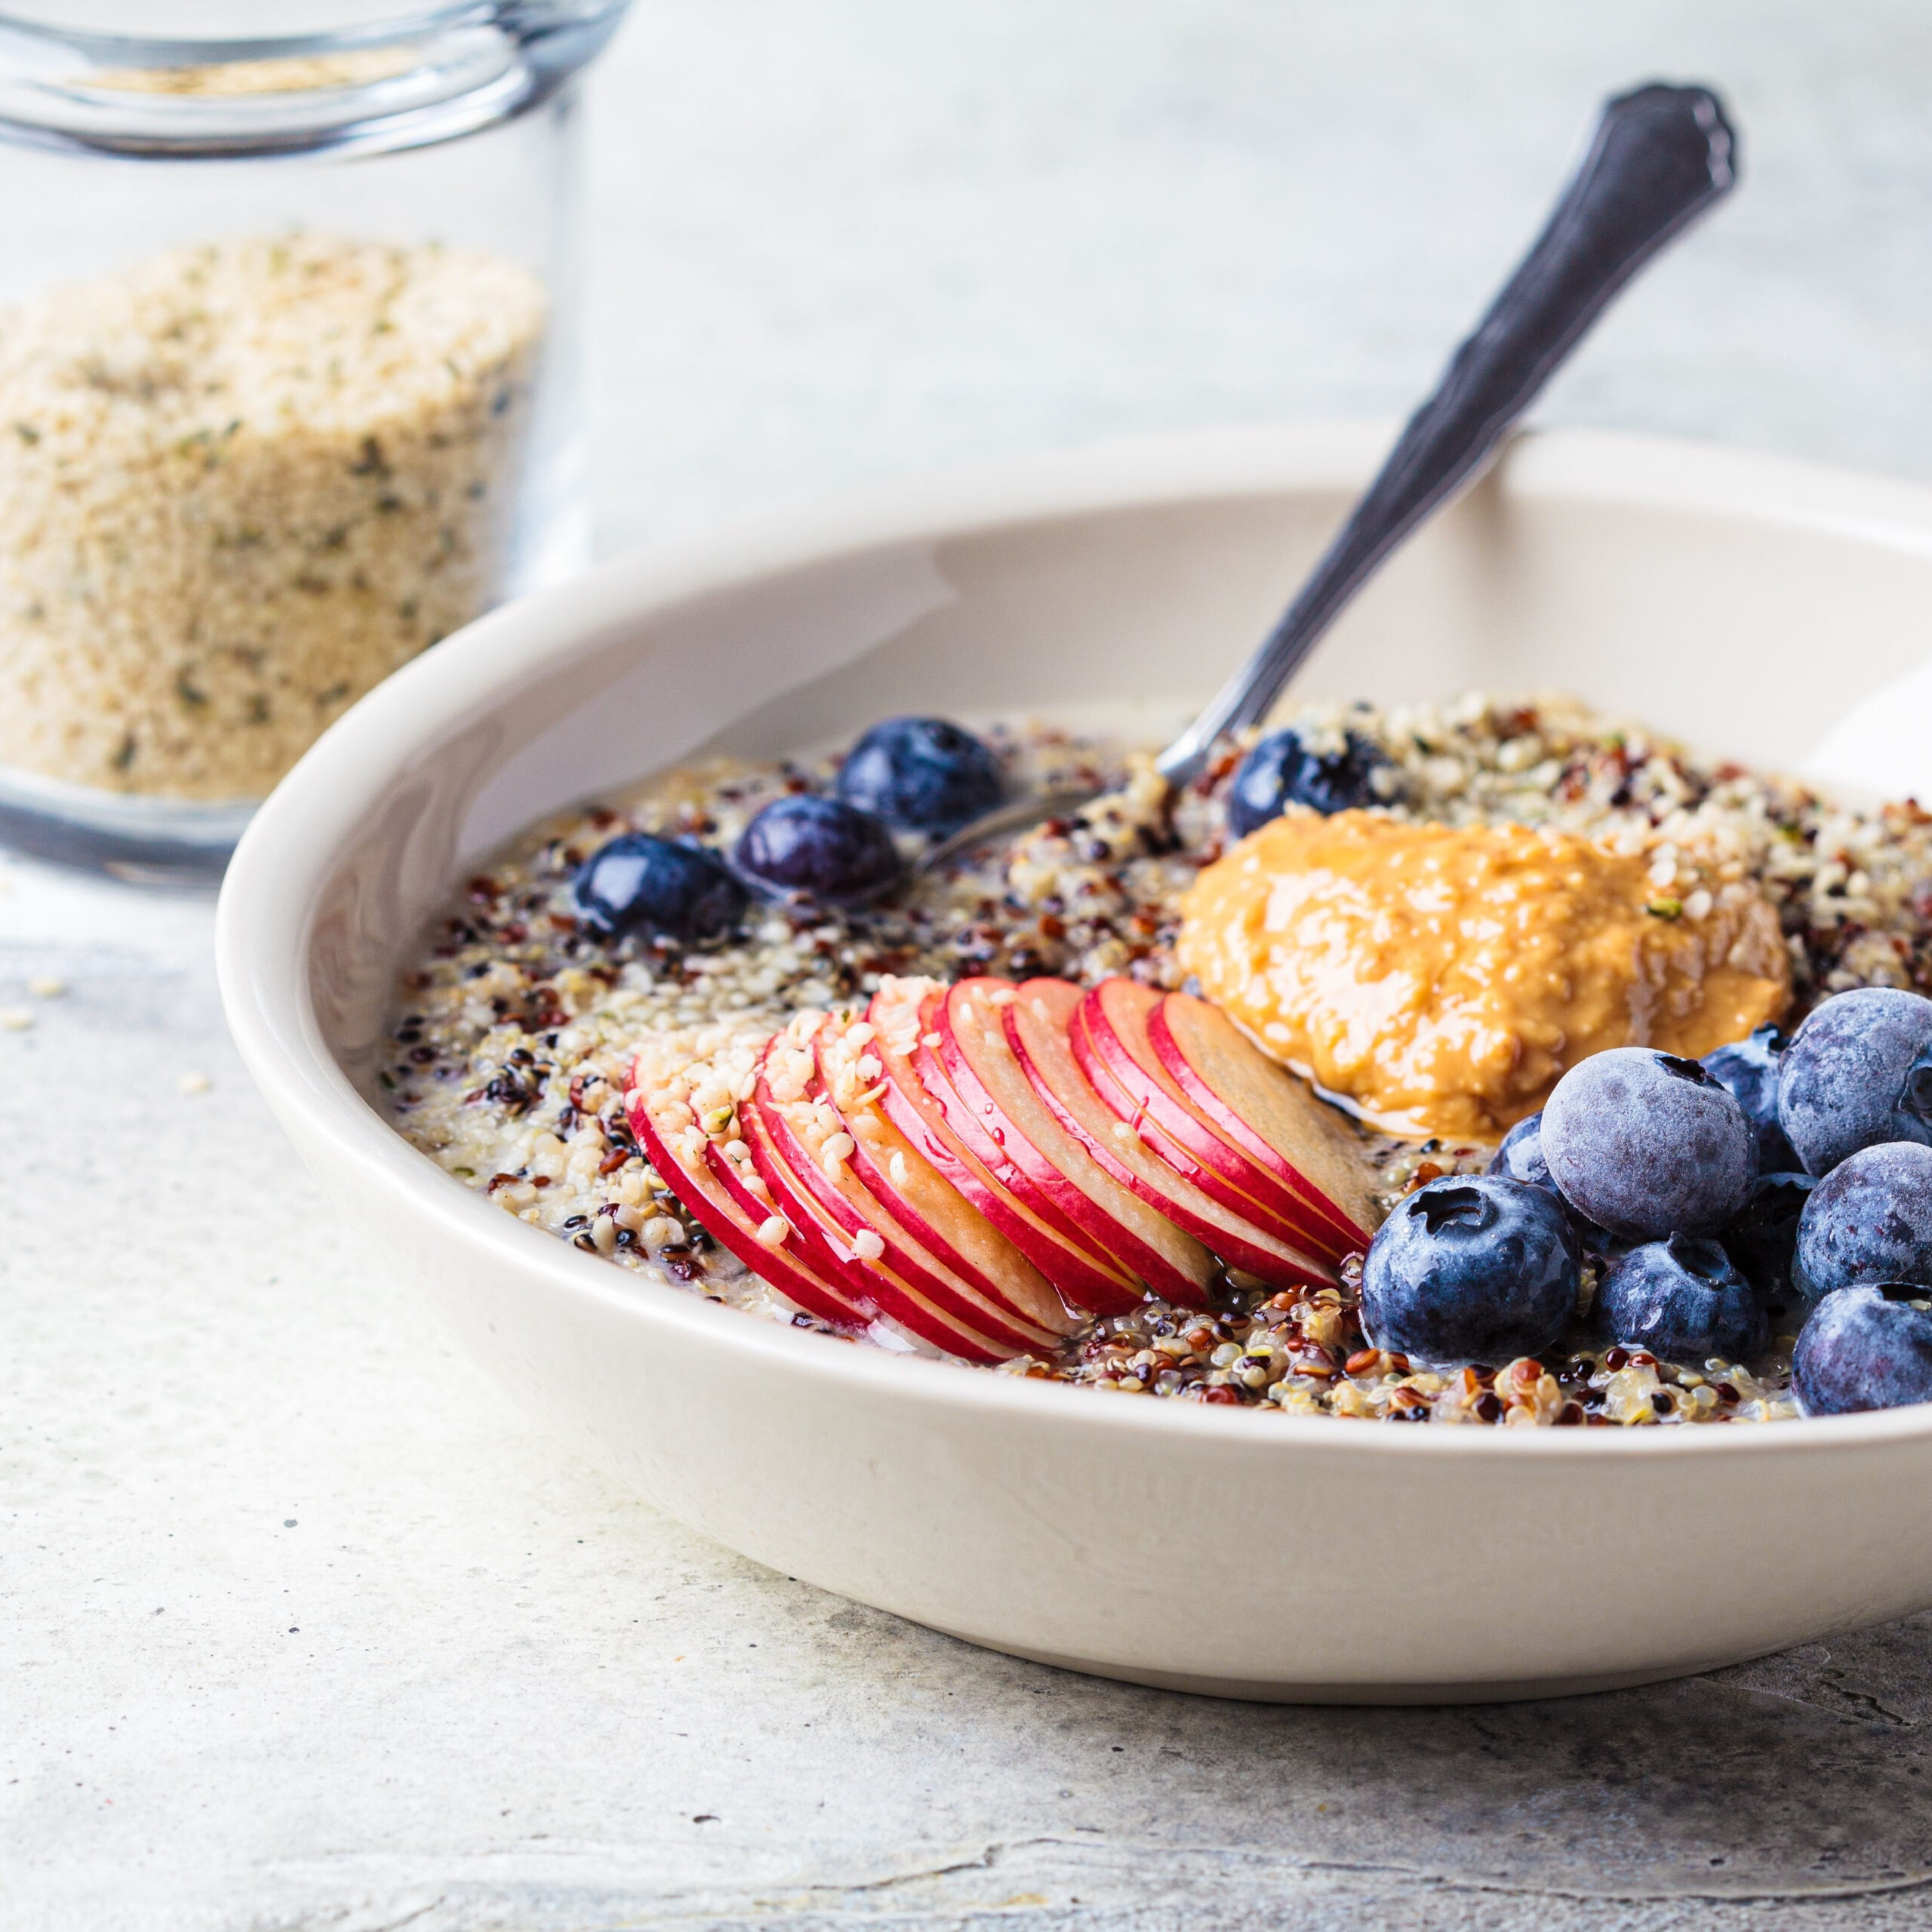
(1442, 979)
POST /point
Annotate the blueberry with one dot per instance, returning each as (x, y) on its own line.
(1867, 1348)
(1472, 1268)
(1869, 1220)
(1647, 1145)
(1763, 1240)
(1520, 1156)
(1749, 1068)
(1683, 1299)
(637, 883)
(921, 774)
(1598, 1245)
(1859, 1072)
(1280, 771)
(819, 848)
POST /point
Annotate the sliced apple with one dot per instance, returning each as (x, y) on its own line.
(721, 1099)
(1262, 1107)
(819, 1235)
(852, 1077)
(1036, 1021)
(1110, 1039)
(1017, 1135)
(889, 1292)
(1308, 1229)
(919, 1101)
(702, 1178)
(810, 1139)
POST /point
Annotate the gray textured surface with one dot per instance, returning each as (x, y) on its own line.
(301, 1627)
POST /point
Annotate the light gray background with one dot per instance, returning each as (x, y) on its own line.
(301, 1627)
(845, 238)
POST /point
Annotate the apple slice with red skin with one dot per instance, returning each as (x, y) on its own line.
(1112, 1286)
(850, 1077)
(811, 1237)
(1309, 1232)
(1112, 1043)
(684, 1156)
(819, 1235)
(808, 1137)
(1266, 1110)
(752, 1192)
(919, 1101)
(882, 1285)
(906, 1281)
(679, 1091)
(1037, 1021)
(1016, 1134)
(1110, 1032)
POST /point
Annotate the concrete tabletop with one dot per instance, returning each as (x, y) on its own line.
(301, 1627)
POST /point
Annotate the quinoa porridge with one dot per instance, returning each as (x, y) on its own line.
(522, 1020)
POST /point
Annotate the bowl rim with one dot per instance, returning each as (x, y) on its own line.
(265, 917)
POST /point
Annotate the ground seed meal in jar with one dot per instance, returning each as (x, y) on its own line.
(827, 1059)
(242, 483)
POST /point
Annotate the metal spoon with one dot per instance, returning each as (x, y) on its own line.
(1658, 157)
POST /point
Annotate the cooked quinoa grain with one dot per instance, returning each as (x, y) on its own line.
(517, 1028)
(242, 483)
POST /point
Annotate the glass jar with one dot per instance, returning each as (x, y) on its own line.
(288, 374)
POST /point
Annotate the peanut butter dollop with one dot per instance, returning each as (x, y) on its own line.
(1443, 978)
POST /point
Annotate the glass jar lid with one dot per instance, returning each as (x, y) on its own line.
(336, 77)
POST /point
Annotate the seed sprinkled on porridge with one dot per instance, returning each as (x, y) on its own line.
(520, 1023)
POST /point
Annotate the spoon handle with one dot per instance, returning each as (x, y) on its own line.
(1658, 157)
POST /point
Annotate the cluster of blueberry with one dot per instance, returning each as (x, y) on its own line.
(915, 775)
(1708, 1194)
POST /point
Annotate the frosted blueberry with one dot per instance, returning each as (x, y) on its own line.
(1869, 1220)
(1749, 1069)
(1866, 1348)
(1647, 1144)
(1858, 1072)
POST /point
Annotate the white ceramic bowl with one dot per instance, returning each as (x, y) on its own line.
(1746, 604)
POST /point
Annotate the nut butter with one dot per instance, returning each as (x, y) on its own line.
(1442, 979)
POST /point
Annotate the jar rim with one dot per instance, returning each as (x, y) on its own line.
(369, 86)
